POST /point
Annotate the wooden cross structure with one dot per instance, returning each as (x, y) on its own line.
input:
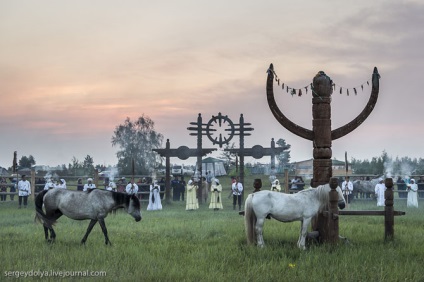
(256, 152)
(183, 153)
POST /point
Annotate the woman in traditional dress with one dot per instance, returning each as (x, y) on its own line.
(379, 190)
(154, 198)
(216, 198)
(412, 189)
(192, 202)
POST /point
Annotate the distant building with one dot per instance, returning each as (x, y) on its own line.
(4, 172)
(215, 166)
(305, 168)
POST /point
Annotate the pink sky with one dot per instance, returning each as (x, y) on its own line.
(71, 71)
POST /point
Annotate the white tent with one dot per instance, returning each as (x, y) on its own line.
(215, 166)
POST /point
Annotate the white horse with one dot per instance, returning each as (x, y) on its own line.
(302, 206)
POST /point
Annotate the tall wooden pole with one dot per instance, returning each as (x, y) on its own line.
(389, 218)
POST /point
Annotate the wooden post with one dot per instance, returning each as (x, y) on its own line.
(321, 126)
(333, 218)
(32, 185)
(389, 218)
(327, 223)
(96, 178)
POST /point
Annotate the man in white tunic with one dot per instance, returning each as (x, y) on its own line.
(412, 189)
(237, 189)
(380, 188)
(347, 189)
(89, 185)
(132, 188)
(24, 190)
(276, 186)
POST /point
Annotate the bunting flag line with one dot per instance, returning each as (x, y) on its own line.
(298, 91)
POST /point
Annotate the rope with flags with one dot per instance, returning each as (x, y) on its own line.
(336, 88)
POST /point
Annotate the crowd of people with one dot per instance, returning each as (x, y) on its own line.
(210, 188)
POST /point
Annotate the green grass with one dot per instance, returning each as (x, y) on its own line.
(205, 245)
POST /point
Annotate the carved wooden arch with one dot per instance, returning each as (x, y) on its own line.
(309, 134)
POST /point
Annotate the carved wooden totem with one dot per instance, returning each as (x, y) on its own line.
(321, 134)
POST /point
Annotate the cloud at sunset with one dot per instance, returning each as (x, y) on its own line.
(70, 72)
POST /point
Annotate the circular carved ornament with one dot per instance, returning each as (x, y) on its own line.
(221, 121)
(257, 151)
(183, 152)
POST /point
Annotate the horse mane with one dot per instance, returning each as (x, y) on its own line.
(123, 198)
(324, 196)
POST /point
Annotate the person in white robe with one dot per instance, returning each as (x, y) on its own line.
(49, 184)
(61, 184)
(379, 189)
(131, 188)
(412, 189)
(192, 201)
(111, 186)
(89, 185)
(24, 190)
(276, 186)
(347, 189)
(154, 197)
(216, 198)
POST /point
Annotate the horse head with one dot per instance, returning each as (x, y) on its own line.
(133, 207)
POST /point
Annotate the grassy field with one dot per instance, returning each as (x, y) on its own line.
(206, 245)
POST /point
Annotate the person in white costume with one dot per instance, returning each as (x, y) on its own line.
(154, 197)
(61, 185)
(24, 190)
(132, 188)
(49, 184)
(379, 189)
(412, 189)
(347, 189)
(110, 185)
(216, 198)
(192, 202)
(276, 186)
(89, 185)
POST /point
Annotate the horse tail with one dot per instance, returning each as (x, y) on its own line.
(39, 213)
(250, 220)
